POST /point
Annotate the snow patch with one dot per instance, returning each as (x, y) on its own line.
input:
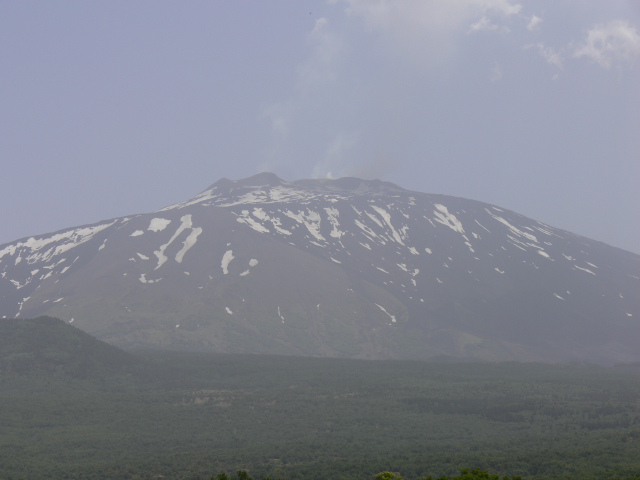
(392, 317)
(333, 214)
(137, 233)
(310, 219)
(375, 219)
(584, 269)
(66, 241)
(448, 219)
(387, 219)
(226, 259)
(188, 243)
(277, 225)
(158, 224)
(513, 229)
(246, 219)
(366, 229)
(482, 226)
(186, 223)
(143, 279)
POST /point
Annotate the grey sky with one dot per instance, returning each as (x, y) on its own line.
(113, 108)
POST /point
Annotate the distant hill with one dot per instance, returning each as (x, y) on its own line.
(337, 268)
(47, 345)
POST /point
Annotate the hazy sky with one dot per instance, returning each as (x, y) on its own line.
(119, 107)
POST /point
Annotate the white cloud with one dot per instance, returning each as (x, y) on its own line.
(550, 55)
(496, 73)
(534, 23)
(442, 15)
(483, 25)
(336, 157)
(313, 78)
(425, 30)
(320, 69)
(609, 44)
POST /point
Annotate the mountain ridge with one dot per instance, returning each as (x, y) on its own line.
(333, 267)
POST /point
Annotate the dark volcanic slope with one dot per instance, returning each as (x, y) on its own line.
(333, 267)
(46, 345)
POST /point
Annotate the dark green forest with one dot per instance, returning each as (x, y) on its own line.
(75, 408)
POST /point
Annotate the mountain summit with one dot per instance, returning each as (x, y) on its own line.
(333, 267)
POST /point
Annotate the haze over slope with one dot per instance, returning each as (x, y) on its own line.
(326, 267)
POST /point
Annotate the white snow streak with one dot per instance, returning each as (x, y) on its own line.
(186, 223)
(245, 218)
(311, 220)
(392, 317)
(387, 218)
(333, 214)
(584, 269)
(515, 230)
(226, 259)
(188, 243)
(448, 219)
(68, 239)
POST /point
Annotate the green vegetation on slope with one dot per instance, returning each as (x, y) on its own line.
(48, 345)
(191, 416)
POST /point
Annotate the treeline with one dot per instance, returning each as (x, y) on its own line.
(188, 416)
(465, 474)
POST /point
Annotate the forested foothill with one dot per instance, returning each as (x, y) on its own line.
(75, 408)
